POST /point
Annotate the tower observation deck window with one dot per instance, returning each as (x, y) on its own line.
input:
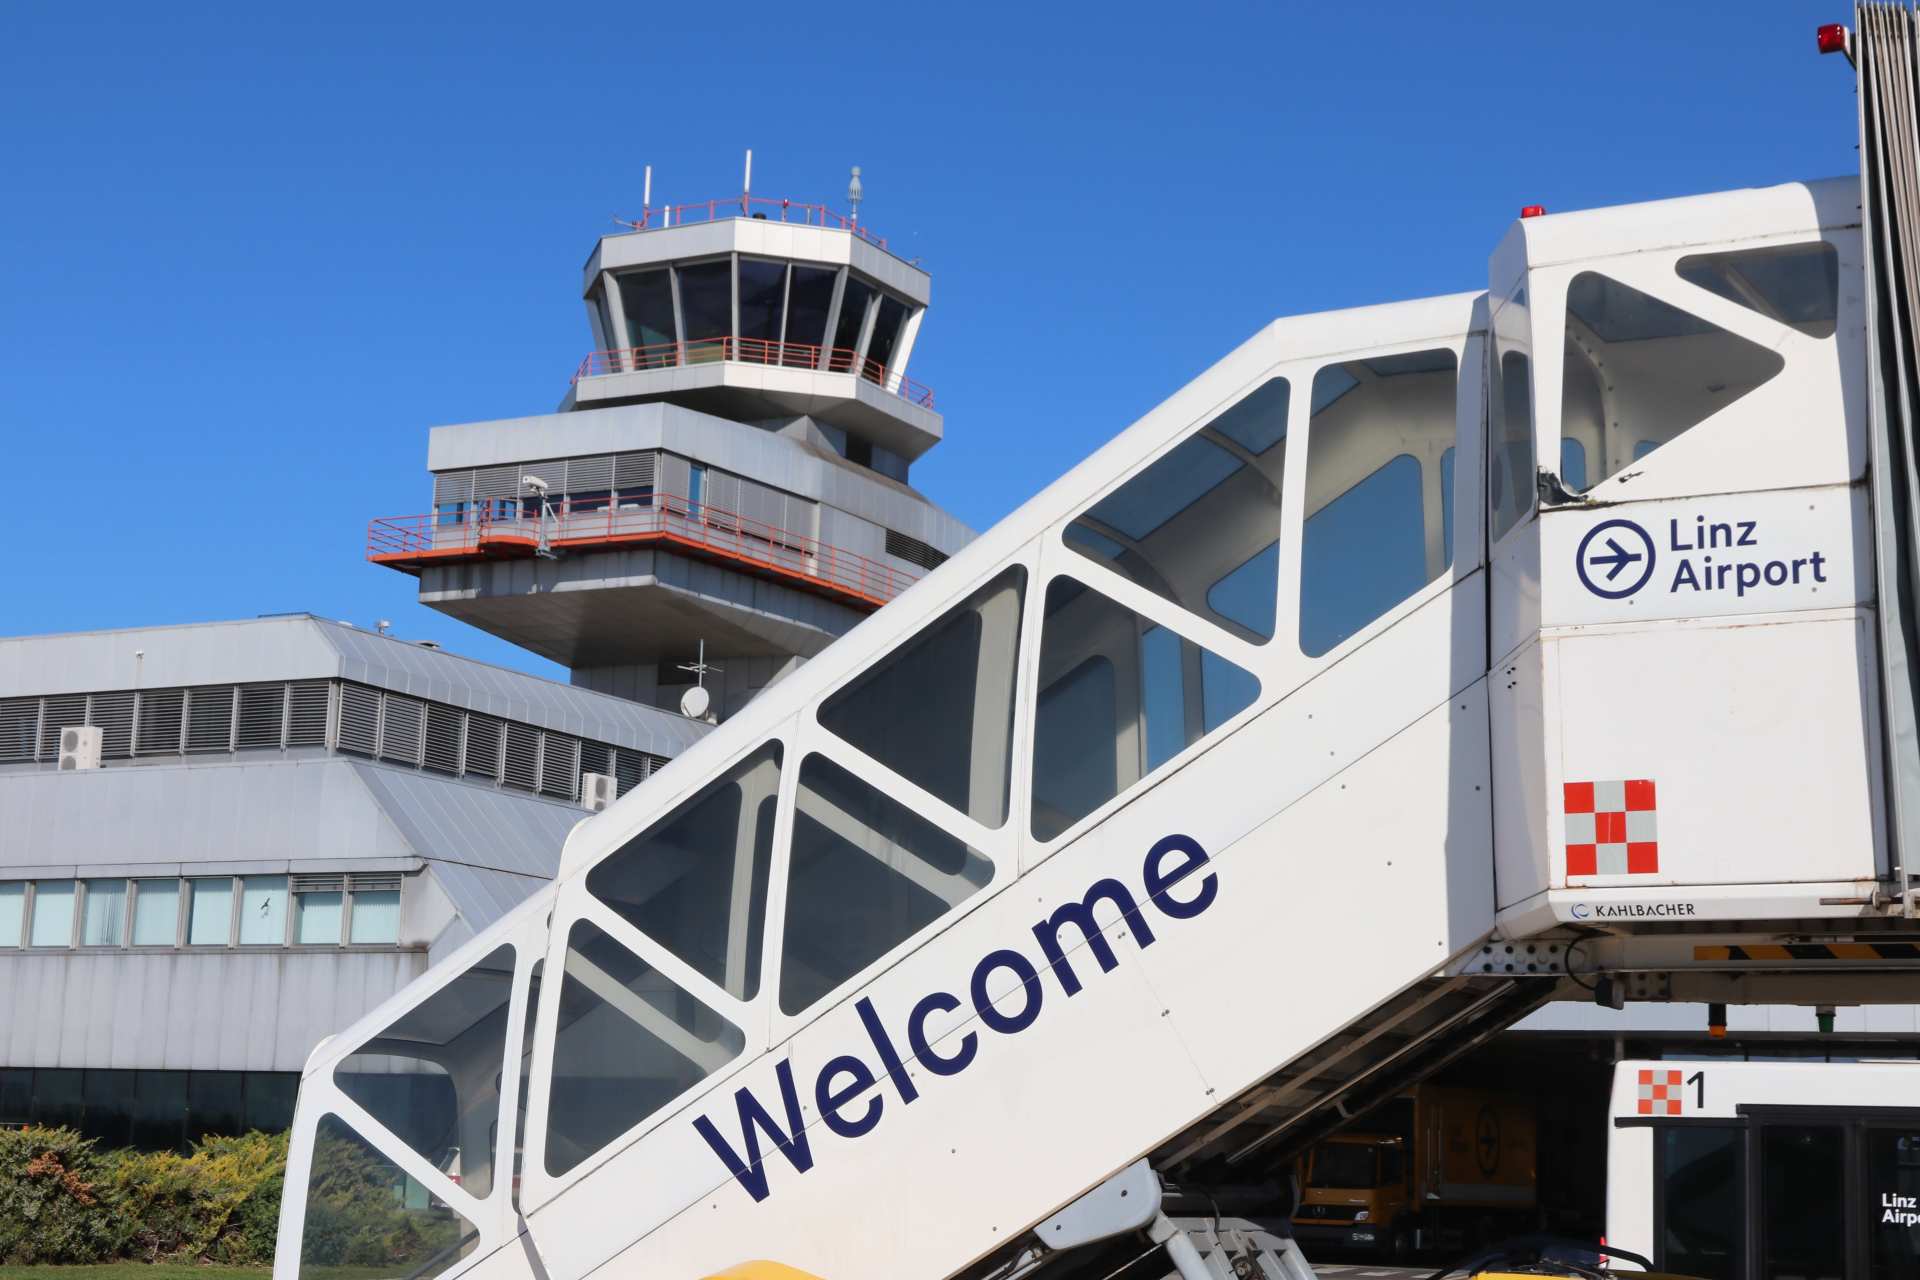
(886, 335)
(647, 298)
(706, 308)
(1640, 372)
(853, 317)
(809, 299)
(762, 299)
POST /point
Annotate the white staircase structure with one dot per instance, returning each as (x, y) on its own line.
(1413, 666)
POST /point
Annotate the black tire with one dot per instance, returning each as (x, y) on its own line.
(1400, 1244)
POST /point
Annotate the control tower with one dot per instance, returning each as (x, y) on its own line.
(726, 475)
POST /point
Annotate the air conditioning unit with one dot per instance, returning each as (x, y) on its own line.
(596, 791)
(80, 747)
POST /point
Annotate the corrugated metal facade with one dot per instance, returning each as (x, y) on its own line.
(470, 850)
(189, 1011)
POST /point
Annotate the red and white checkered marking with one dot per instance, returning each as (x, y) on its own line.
(1611, 829)
(1661, 1093)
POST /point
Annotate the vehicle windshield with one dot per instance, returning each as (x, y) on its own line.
(1342, 1164)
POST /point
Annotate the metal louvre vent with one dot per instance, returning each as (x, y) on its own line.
(521, 760)
(307, 704)
(113, 713)
(482, 755)
(158, 721)
(442, 753)
(585, 475)
(722, 498)
(359, 719)
(559, 765)
(263, 711)
(394, 727)
(210, 719)
(365, 883)
(631, 768)
(19, 723)
(633, 471)
(914, 551)
(497, 482)
(56, 713)
(452, 486)
(316, 884)
(400, 729)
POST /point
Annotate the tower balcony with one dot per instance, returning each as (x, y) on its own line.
(752, 377)
(505, 529)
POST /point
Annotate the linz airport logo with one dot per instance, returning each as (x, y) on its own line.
(1617, 558)
(1175, 878)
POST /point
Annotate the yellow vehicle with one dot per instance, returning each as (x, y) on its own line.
(1535, 1257)
(1436, 1168)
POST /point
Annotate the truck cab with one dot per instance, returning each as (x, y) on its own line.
(1356, 1190)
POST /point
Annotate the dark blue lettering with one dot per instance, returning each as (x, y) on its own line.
(1080, 916)
(750, 1172)
(1159, 881)
(969, 1043)
(1021, 967)
(830, 1100)
(883, 1045)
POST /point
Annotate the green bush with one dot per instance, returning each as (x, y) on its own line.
(62, 1201)
(53, 1200)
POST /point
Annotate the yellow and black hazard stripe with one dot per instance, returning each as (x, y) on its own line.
(1810, 951)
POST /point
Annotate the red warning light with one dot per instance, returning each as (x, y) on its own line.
(1533, 211)
(1832, 38)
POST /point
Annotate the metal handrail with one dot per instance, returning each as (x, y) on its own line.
(743, 206)
(790, 355)
(584, 522)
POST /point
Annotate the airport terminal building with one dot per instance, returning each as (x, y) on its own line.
(280, 823)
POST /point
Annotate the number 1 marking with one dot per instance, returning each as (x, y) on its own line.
(1699, 1082)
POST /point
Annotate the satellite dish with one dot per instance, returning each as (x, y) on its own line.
(695, 702)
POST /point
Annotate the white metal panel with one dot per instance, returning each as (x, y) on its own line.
(1759, 736)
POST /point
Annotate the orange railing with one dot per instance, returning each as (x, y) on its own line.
(501, 528)
(791, 355)
(745, 206)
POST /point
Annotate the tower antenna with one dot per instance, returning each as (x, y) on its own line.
(854, 194)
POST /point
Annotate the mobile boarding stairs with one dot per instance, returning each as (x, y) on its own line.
(1412, 667)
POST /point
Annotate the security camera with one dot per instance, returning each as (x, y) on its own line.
(535, 485)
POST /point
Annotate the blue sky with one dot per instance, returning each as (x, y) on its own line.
(250, 253)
